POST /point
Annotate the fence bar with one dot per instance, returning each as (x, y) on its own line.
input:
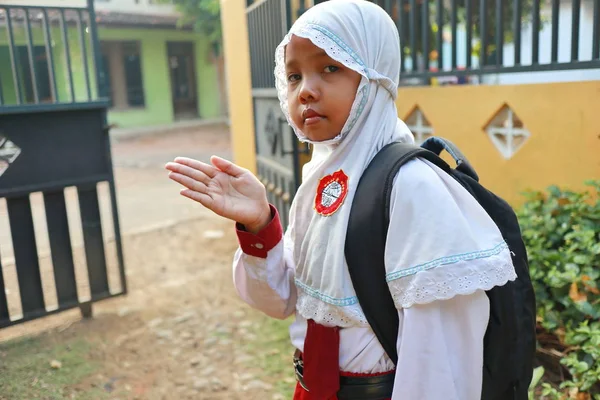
(60, 246)
(499, 33)
(453, 22)
(96, 50)
(483, 33)
(268, 71)
(84, 57)
(261, 41)
(555, 11)
(30, 53)
(535, 32)
(288, 16)
(440, 37)
(116, 223)
(469, 28)
(1, 95)
(517, 30)
(26, 255)
(93, 241)
(400, 25)
(269, 36)
(65, 35)
(387, 6)
(49, 55)
(575, 13)
(426, 30)
(14, 62)
(259, 52)
(596, 31)
(4, 314)
(413, 33)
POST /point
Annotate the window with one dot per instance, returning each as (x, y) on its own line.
(123, 73)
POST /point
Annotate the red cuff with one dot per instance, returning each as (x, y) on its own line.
(258, 245)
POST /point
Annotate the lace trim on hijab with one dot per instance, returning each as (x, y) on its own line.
(445, 278)
(337, 50)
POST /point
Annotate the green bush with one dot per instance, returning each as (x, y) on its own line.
(561, 230)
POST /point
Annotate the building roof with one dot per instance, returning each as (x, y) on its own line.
(103, 18)
(114, 18)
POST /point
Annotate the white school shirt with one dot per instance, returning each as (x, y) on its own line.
(440, 344)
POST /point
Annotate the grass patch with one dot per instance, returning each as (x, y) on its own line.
(272, 351)
(26, 373)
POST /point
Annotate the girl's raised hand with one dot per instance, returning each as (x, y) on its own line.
(225, 188)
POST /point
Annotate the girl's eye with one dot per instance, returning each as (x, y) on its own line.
(293, 78)
(331, 68)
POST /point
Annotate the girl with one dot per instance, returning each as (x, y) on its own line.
(336, 74)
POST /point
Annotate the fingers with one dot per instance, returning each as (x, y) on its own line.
(188, 171)
(188, 182)
(201, 198)
(206, 169)
(227, 166)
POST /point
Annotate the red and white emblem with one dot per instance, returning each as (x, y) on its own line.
(331, 193)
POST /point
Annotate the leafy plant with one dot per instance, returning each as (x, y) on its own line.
(561, 230)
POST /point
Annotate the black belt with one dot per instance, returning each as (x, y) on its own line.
(353, 387)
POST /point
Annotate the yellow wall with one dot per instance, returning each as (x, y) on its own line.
(564, 146)
(239, 87)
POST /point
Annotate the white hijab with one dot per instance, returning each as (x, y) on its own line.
(361, 36)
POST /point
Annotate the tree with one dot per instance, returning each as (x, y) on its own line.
(204, 16)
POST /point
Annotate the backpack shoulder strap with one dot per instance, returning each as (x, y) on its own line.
(366, 236)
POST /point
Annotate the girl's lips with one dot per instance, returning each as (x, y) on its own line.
(311, 117)
(312, 120)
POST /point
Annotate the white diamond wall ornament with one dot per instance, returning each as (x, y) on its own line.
(8, 153)
(419, 125)
(507, 132)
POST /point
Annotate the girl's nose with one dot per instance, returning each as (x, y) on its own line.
(309, 91)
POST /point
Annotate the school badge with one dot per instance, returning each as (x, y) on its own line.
(331, 193)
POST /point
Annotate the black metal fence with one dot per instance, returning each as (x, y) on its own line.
(267, 24)
(429, 28)
(54, 138)
(34, 59)
(462, 38)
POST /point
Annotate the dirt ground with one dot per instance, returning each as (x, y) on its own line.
(181, 332)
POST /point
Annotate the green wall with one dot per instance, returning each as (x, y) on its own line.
(155, 71)
(157, 82)
(20, 39)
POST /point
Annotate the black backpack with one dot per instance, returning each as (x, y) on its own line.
(509, 343)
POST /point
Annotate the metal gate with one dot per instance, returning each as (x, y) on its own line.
(53, 139)
(278, 152)
(456, 42)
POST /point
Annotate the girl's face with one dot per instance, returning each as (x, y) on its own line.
(320, 90)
